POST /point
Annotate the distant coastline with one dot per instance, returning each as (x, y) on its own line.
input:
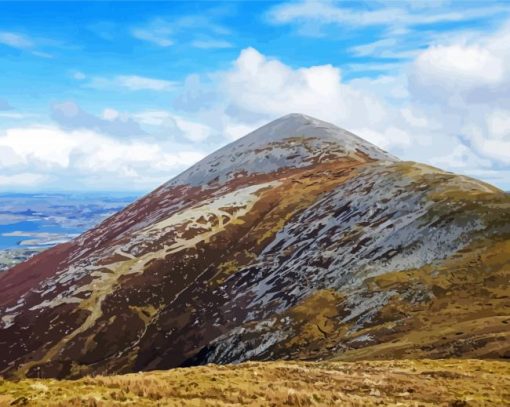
(32, 222)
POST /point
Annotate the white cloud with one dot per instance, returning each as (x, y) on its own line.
(466, 86)
(21, 180)
(113, 150)
(233, 129)
(376, 47)
(393, 46)
(160, 124)
(42, 54)
(174, 124)
(193, 131)
(135, 82)
(24, 43)
(389, 138)
(15, 40)
(257, 89)
(9, 158)
(132, 83)
(414, 118)
(403, 28)
(70, 116)
(498, 124)
(465, 70)
(154, 117)
(12, 115)
(485, 143)
(110, 114)
(395, 14)
(84, 158)
(16, 115)
(164, 31)
(455, 71)
(157, 32)
(373, 67)
(460, 159)
(258, 85)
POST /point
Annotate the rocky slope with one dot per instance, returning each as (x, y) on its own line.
(298, 241)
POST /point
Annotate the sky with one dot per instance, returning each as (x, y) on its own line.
(122, 96)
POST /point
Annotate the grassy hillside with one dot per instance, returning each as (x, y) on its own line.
(367, 383)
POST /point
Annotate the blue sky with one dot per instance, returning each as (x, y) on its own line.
(125, 95)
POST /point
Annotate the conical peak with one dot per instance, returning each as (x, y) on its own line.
(292, 141)
(293, 125)
(298, 125)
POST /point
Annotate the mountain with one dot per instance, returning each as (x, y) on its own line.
(299, 241)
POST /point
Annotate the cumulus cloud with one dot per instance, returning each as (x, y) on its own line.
(465, 87)
(389, 138)
(88, 159)
(457, 72)
(476, 70)
(257, 89)
(111, 150)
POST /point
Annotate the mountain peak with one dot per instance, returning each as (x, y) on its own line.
(298, 124)
(298, 118)
(291, 141)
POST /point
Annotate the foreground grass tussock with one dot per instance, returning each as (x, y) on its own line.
(366, 383)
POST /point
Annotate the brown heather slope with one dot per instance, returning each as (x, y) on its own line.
(299, 241)
(452, 383)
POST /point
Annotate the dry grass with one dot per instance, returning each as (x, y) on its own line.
(367, 383)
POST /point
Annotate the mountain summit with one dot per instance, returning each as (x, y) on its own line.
(298, 241)
(293, 141)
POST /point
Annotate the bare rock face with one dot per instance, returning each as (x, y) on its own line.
(298, 241)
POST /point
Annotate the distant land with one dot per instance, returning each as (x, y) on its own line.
(30, 223)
